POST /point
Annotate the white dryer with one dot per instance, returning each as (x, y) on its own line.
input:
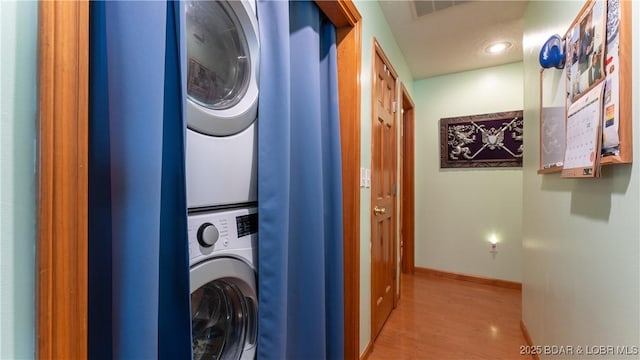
(224, 305)
(223, 48)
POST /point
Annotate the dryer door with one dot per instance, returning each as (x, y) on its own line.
(223, 310)
(222, 66)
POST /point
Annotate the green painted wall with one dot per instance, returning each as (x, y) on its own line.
(581, 238)
(374, 24)
(457, 209)
(18, 34)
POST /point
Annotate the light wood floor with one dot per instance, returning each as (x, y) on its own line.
(444, 319)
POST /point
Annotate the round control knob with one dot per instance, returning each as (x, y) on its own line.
(208, 235)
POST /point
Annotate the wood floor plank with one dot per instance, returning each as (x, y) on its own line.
(445, 319)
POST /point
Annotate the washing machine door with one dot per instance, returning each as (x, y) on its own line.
(222, 66)
(223, 310)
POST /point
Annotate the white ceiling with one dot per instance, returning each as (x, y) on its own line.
(453, 36)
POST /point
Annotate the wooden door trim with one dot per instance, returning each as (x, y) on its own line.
(407, 180)
(341, 13)
(348, 21)
(62, 157)
(378, 51)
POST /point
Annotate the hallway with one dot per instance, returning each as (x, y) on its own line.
(445, 319)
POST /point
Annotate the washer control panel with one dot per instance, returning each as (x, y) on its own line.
(229, 231)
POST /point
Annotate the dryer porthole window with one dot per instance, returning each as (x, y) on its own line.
(219, 61)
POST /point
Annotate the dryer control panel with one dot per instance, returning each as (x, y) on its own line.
(223, 233)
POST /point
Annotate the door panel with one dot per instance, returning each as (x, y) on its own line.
(407, 183)
(383, 179)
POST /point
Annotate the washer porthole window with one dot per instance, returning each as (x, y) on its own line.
(218, 57)
(218, 321)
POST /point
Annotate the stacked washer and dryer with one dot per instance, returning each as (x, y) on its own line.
(221, 167)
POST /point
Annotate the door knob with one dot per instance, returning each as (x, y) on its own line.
(379, 211)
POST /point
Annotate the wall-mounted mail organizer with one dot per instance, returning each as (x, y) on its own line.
(585, 92)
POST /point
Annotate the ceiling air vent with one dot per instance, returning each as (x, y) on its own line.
(427, 7)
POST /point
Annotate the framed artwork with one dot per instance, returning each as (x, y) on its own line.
(486, 140)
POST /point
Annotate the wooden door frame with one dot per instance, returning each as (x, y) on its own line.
(61, 325)
(62, 178)
(407, 180)
(377, 50)
(348, 21)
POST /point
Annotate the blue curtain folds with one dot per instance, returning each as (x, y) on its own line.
(99, 216)
(138, 252)
(174, 314)
(300, 279)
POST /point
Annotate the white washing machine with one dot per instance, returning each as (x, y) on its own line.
(224, 303)
(223, 48)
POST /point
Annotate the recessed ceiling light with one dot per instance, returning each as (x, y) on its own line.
(498, 47)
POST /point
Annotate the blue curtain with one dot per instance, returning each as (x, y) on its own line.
(300, 278)
(138, 252)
